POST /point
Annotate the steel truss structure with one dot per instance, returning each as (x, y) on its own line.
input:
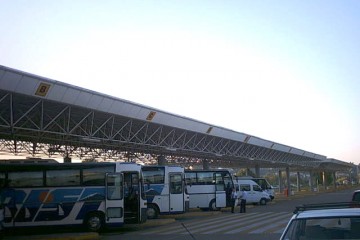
(41, 126)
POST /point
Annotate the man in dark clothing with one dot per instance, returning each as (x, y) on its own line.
(243, 201)
(228, 192)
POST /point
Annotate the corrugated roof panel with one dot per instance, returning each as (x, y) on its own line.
(184, 123)
(281, 147)
(259, 142)
(296, 151)
(226, 133)
(27, 85)
(83, 99)
(193, 125)
(143, 113)
(307, 154)
(94, 101)
(56, 92)
(10, 81)
(134, 111)
(313, 155)
(105, 105)
(162, 118)
(322, 157)
(125, 109)
(71, 95)
(115, 107)
(239, 136)
(179, 122)
(175, 121)
(216, 131)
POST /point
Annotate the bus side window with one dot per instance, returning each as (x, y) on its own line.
(26, 179)
(114, 187)
(175, 184)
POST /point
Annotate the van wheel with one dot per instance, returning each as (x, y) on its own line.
(212, 206)
(263, 201)
(94, 222)
(152, 211)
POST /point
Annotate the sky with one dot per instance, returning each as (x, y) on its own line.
(285, 71)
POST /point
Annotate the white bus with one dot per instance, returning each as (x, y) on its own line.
(95, 195)
(165, 190)
(209, 189)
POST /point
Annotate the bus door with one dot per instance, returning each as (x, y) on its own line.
(176, 192)
(132, 197)
(114, 203)
(220, 194)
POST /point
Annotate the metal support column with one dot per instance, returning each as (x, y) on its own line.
(298, 181)
(288, 182)
(257, 170)
(311, 181)
(281, 187)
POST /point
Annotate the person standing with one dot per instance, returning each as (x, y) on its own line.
(228, 192)
(233, 199)
(243, 201)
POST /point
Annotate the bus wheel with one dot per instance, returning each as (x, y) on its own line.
(152, 211)
(263, 201)
(94, 222)
(212, 206)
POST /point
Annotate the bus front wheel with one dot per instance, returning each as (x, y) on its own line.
(94, 222)
(212, 206)
(152, 212)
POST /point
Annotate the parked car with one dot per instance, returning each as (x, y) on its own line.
(356, 196)
(324, 221)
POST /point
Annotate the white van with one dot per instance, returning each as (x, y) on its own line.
(255, 195)
(263, 183)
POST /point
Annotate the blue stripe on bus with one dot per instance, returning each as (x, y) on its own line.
(152, 190)
(91, 194)
(86, 208)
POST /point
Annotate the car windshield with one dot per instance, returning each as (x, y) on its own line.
(356, 196)
(324, 228)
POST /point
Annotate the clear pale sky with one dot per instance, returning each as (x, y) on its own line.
(285, 71)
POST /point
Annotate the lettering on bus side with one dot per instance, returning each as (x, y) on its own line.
(50, 204)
